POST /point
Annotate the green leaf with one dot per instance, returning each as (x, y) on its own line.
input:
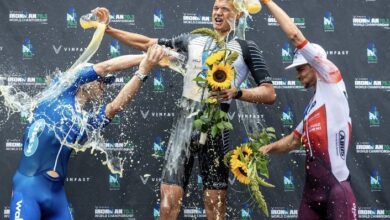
(270, 129)
(227, 157)
(214, 130)
(198, 124)
(228, 125)
(220, 125)
(199, 79)
(231, 58)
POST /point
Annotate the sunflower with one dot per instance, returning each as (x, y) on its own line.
(239, 170)
(215, 58)
(220, 76)
(245, 150)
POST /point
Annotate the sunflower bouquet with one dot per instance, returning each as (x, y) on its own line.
(250, 166)
(211, 119)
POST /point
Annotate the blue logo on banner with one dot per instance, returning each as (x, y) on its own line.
(32, 141)
(158, 83)
(158, 19)
(287, 53)
(200, 183)
(373, 116)
(71, 18)
(158, 148)
(288, 181)
(27, 49)
(246, 212)
(328, 22)
(375, 181)
(372, 53)
(114, 49)
(156, 212)
(113, 180)
(287, 116)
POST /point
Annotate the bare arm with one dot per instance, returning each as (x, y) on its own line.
(128, 92)
(137, 41)
(264, 93)
(284, 145)
(117, 64)
(285, 22)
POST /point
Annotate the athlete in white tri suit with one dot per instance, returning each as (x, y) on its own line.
(179, 155)
(325, 130)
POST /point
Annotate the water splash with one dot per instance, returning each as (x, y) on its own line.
(16, 101)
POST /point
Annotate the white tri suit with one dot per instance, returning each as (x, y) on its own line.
(326, 132)
(182, 145)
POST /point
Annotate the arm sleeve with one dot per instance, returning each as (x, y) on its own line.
(179, 42)
(86, 74)
(299, 129)
(327, 71)
(256, 64)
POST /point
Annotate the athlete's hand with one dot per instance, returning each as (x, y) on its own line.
(265, 149)
(153, 56)
(103, 14)
(224, 95)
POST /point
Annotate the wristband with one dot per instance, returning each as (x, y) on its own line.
(238, 94)
(142, 77)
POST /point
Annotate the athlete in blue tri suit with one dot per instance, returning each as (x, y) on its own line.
(59, 122)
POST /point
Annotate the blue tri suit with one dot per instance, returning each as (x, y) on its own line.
(56, 123)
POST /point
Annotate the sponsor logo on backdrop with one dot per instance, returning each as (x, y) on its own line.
(71, 18)
(78, 179)
(158, 148)
(147, 113)
(24, 81)
(158, 19)
(372, 53)
(300, 22)
(371, 148)
(125, 146)
(246, 212)
(369, 212)
(288, 181)
(147, 178)
(367, 21)
(287, 117)
(156, 212)
(200, 183)
(11, 145)
(6, 212)
(365, 83)
(281, 212)
(194, 213)
(193, 18)
(158, 83)
(63, 49)
(122, 18)
(115, 49)
(24, 16)
(242, 117)
(113, 181)
(283, 83)
(27, 49)
(337, 52)
(374, 117)
(375, 181)
(109, 212)
(116, 120)
(287, 53)
(301, 151)
(328, 22)
(245, 84)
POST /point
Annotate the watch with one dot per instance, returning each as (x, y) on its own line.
(142, 77)
(238, 94)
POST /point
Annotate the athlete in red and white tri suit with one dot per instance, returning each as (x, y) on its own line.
(325, 130)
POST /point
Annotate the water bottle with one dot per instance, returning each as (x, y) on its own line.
(175, 61)
(253, 6)
(90, 20)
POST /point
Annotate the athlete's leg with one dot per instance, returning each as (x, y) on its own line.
(306, 211)
(171, 200)
(342, 202)
(59, 207)
(24, 207)
(214, 175)
(215, 204)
